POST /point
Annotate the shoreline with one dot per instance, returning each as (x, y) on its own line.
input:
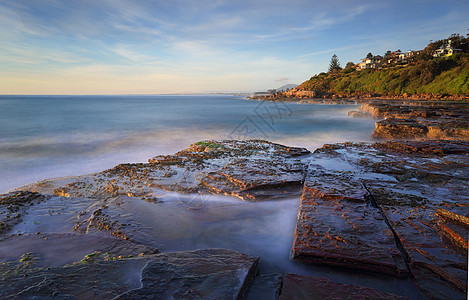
(406, 118)
(364, 206)
(250, 170)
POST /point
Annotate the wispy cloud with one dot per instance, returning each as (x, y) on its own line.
(206, 44)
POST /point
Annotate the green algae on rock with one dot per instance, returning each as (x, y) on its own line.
(251, 170)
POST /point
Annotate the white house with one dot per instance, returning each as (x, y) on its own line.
(404, 57)
(448, 50)
(370, 63)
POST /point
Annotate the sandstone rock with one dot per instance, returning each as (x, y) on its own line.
(13, 205)
(312, 287)
(200, 274)
(432, 120)
(359, 114)
(419, 188)
(399, 128)
(250, 170)
(336, 226)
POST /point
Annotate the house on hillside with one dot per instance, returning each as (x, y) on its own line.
(374, 62)
(446, 50)
(404, 57)
(392, 57)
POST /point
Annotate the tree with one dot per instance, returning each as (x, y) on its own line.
(334, 64)
(349, 65)
(369, 55)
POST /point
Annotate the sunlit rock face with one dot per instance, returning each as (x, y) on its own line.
(378, 206)
(427, 120)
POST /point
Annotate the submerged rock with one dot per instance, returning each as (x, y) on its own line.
(200, 274)
(361, 203)
(266, 287)
(58, 249)
(313, 287)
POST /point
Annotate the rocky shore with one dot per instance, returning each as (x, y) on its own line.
(301, 93)
(392, 208)
(403, 117)
(429, 120)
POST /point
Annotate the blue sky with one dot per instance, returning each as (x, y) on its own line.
(183, 46)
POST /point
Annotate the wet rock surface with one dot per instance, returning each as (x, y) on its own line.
(250, 170)
(58, 249)
(431, 120)
(392, 209)
(336, 226)
(201, 274)
(313, 287)
(13, 206)
(266, 287)
(369, 206)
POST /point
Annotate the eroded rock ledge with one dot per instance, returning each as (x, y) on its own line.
(394, 208)
(404, 120)
(250, 170)
(389, 207)
(200, 274)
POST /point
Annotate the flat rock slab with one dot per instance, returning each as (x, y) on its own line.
(434, 182)
(266, 287)
(200, 274)
(336, 226)
(298, 287)
(58, 249)
(14, 205)
(417, 193)
(251, 170)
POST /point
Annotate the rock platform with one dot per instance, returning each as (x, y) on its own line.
(395, 209)
(409, 120)
(389, 207)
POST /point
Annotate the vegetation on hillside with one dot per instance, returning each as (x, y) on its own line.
(423, 74)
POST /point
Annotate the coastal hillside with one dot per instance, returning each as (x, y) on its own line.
(443, 75)
(438, 71)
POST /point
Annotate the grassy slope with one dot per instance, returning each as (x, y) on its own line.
(444, 76)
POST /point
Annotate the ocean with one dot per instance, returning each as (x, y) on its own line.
(51, 136)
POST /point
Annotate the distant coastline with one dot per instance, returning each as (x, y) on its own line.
(438, 72)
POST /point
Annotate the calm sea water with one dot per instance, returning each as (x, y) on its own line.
(50, 136)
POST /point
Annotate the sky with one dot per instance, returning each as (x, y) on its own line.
(110, 47)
